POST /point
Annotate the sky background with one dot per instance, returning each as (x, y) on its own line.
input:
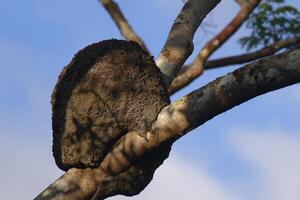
(250, 152)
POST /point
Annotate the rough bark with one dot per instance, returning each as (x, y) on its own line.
(125, 29)
(195, 69)
(179, 44)
(179, 118)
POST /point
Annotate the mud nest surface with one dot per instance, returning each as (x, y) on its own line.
(108, 89)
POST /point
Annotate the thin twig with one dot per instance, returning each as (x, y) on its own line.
(248, 57)
(125, 29)
(243, 58)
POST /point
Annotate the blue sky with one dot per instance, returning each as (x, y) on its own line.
(249, 152)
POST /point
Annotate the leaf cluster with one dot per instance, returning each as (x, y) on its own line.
(271, 21)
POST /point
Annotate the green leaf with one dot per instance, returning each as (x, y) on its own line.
(271, 21)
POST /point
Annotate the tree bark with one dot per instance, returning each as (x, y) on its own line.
(179, 44)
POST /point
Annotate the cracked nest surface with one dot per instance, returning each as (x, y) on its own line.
(108, 89)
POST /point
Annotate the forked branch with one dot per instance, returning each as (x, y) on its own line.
(179, 118)
(201, 105)
(195, 69)
(179, 44)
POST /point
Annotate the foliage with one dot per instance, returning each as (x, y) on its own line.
(270, 22)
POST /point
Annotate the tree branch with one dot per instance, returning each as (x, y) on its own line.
(179, 44)
(180, 117)
(195, 69)
(125, 29)
(205, 103)
(241, 2)
(240, 59)
(243, 58)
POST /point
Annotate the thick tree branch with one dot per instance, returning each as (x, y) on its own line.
(240, 59)
(179, 44)
(180, 117)
(196, 68)
(75, 184)
(201, 105)
(125, 29)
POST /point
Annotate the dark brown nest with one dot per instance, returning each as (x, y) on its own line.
(108, 89)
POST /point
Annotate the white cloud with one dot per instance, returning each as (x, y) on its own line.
(274, 155)
(178, 179)
(28, 169)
